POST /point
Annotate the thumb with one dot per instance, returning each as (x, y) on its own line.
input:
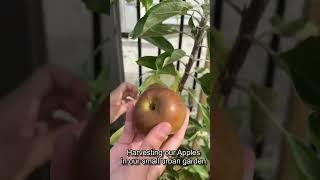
(62, 166)
(156, 136)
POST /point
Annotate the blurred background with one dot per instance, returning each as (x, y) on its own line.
(66, 33)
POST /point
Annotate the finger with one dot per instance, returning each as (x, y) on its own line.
(62, 167)
(54, 78)
(131, 91)
(128, 132)
(42, 146)
(172, 143)
(137, 142)
(128, 89)
(124, 107)
(176, 140)
(156, 136)
(78, 111)
(56, 102)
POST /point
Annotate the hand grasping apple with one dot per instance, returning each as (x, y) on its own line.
(156, 139)
(119, 100)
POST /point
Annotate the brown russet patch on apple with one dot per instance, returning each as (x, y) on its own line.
(159, 104)
(228, 161)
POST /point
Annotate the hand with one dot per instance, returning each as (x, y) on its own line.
(156, 139)
(119, 101)
(27, 129)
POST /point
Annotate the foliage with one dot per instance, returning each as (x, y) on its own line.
(301, 64)
(162, 70)
(151, 28)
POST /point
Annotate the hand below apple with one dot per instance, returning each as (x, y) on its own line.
(119, 101)
(156, 139)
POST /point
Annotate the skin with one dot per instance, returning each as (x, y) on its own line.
(118, 100)
(30, 136)
(156, 139)
(28, 131)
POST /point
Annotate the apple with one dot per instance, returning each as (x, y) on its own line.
(158, 104)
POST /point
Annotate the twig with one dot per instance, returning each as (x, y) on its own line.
(197, 11)
(193, 77)
(197, 42)
(248, 26)
(196, 59)
(185, 34)
(276, 57)
(204, 60)
(184, 64)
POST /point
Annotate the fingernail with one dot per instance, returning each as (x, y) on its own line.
(165, 128)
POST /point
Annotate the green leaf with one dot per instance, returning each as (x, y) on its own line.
(146, 3)
(115, 136)
(306, 160)
(293, 28)
(176, 55)
(160, 30)
(170, 69)
(98, 6)
(138, 28)
(219, 49)
(310, 29)
(192, 93)
(171, 80)
(219, 54)
(260, 122)
(160, 42)
(161, 58)
(201, 170)
(287, 29)
(158, 14)
(165, 57)
(148, 61)
(205, 111)
(205, 82)
(153, 78)
(192, 26)
(314, 129)
(209, 43)
(302, 63)
(201, 70)
(195, 122)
